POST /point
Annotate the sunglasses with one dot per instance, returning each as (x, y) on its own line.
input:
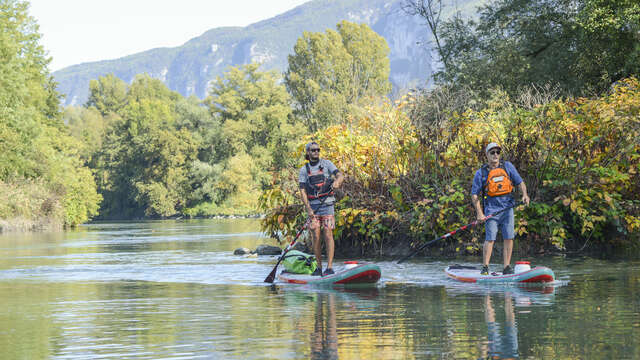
(494, 152)
(314, 150)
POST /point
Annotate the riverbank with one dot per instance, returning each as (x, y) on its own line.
(28, 225)
(471, 246)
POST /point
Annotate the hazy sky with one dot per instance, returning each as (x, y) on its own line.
(76, 31)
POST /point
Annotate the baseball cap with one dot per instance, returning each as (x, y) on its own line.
(492, 146)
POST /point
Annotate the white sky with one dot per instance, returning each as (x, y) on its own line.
(77, 31)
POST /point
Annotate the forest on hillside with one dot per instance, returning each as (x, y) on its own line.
(554, 81)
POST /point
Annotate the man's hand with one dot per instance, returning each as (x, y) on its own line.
(337, 182)
(480, 216)
(525, 199)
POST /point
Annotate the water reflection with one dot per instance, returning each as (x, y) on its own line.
(330, 317)
(324, 338)
(502, 329)
(502, 337)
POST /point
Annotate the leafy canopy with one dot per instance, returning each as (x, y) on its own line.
(581, 45)
(330, 71)
(42, 176)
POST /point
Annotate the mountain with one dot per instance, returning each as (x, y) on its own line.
(190, 68)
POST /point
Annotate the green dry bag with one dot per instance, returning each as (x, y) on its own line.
(298, 262)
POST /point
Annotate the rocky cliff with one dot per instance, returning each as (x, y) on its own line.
(190, 68)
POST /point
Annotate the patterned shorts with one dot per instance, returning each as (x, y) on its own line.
(324, 221)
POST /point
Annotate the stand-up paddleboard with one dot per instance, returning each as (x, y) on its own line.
(351, 273)
(523, 273)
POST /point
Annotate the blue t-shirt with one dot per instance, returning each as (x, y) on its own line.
(493, 204)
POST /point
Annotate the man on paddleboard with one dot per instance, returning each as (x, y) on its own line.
(494, 183)
(318, 178)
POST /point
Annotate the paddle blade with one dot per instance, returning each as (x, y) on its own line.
(272, 276)
(403, 259)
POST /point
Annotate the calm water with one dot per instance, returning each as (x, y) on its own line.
(173, 290)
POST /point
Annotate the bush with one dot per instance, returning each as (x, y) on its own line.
(409, 171)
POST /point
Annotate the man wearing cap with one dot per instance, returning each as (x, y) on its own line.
(318, 178)
(493, 183)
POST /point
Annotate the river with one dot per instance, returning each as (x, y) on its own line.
(174, 290)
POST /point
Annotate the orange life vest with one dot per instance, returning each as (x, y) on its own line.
(498, 181)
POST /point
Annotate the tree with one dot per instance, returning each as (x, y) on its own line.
(257, 131)
(146, 159)
(581, 45)
(107, 94)
(35, 146)
(88, 126)
(431, 11)
(330, 71)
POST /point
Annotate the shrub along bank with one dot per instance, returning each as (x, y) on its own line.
(409, 170)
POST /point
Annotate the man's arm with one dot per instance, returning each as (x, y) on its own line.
(476, 187)
(476, 204)
(515, 177)
(525, 196)
(305, 202)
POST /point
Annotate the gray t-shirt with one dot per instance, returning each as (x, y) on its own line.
(327, 168)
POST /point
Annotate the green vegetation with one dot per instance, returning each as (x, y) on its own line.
(581, 46)
(507, 77)
(157, 154)
(43, 180)
(409, 164)
(330, 72)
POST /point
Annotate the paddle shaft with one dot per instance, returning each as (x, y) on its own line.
(471, 224)
(272, 275)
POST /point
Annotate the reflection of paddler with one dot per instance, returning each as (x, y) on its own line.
(324, 338)
(501, 346)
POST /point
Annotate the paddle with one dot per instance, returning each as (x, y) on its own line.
(453, 232)
(272, 274)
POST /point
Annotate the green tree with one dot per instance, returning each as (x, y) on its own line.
(205, 171)
(88, 126)
(146, 159)
(256, 129)
(581, 45)
(35, 146)
(108, 94)
(329, 71)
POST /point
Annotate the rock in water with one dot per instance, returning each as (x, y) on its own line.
(241, 251)
(268, 250)
(300, 246)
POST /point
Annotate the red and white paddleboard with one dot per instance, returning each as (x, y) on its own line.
(523, 273)
(350, 273)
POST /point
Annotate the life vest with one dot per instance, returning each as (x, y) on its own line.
(319, 184)
(498, 181)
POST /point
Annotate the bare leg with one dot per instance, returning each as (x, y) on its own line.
(317, 246)
(508, 248)
(328, 240)
(487, 249)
